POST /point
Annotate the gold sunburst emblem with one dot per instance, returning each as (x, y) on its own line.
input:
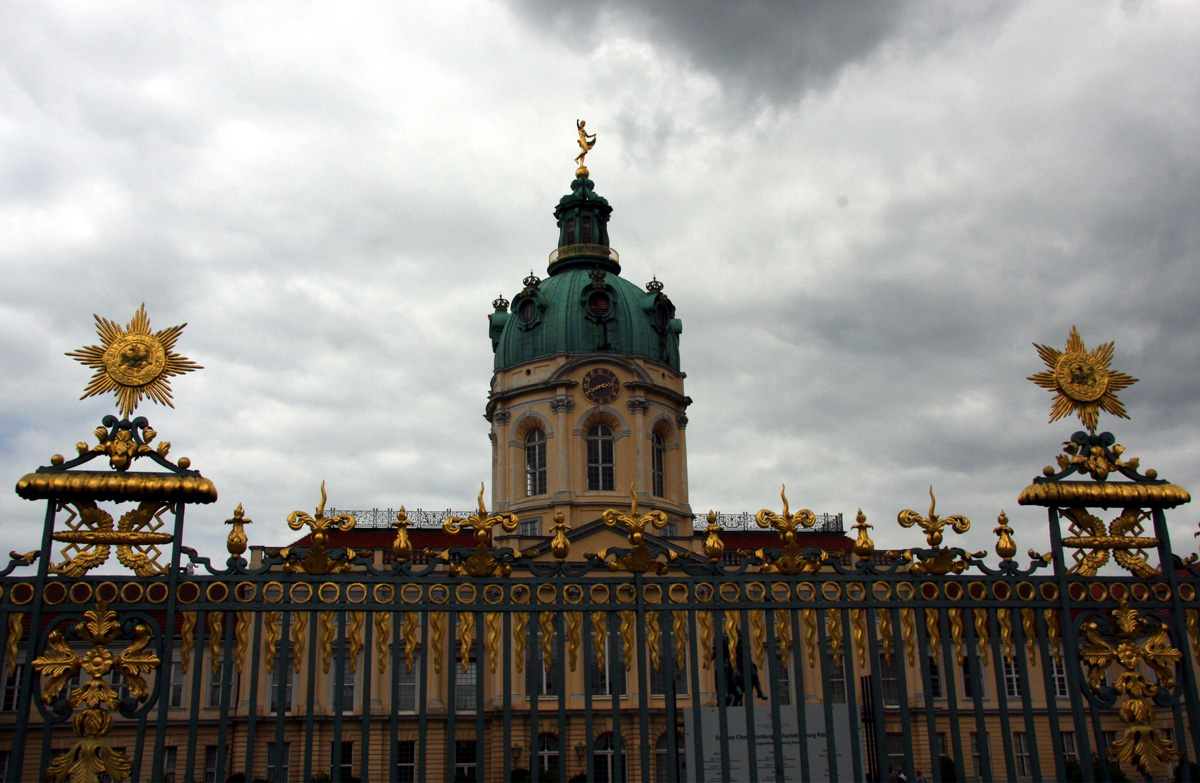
(133, 362)
(1082, 380)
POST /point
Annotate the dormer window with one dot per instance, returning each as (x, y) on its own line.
(599, 303)
(527, 310)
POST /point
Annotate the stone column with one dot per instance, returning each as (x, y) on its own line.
(638, 407)
(501, 492)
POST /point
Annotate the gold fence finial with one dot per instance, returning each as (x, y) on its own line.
(560, 547)
(237, 541)
(1005, 546)
(401, 547)
(714, 547)
(863, 545)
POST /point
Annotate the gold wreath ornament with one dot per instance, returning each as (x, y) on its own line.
(1082, 381)
(133, 362)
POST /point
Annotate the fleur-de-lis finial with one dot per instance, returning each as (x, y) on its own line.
(640, 557)
(932, 524)
(317, 560)
(786, 523)
(482, 562)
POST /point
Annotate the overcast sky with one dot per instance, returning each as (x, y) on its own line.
(865, 214)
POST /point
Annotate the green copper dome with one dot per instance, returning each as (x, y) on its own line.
(585, 306)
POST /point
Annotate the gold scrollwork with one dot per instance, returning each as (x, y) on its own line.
(410, 640)
(808, 617)
(241, 632)
(640, 558)
(833, 628)
(600, 631)
(783, 633)
(908, 625)
(1121, 537)
(354, 633)
(437, 622)
(933, 632)
(981, 634)
(91, 756)
(758, 635)
(1052, 634)
(271, 634)
(89, 534)
(216, 631)
(944, 561)
(16, 627)
(383, 639)
(1029, 629)
(627, 646)
(1193, 626)
(1004, 618)
(325, 641)
(466, 637)
(492, 621)
(1138, 644)
(885, 633)
(546, 638)
(652, 637)
(520, 621)
(187, 635)
(858, 623)
(956, 632)
(705, 618)
(299, 637)
(574, 627)
(733, 627)
(679, 627)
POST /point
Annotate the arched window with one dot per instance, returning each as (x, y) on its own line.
(547, 752)
(662, 769)
(658, 462)
(535, 463)
(606, 760)
(600, 465)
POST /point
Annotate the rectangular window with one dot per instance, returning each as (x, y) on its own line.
(671, 530)
(528, 528)
(978, 749)
(540, 682)
(215, 687)
(658, 466)
(343, 760)
(970, 685)
(279, 762)
(587, 229)
(535, 464)
(1021, 752)
(281, 679)
(837, 682)
(600, 470)
(943, 744)
(895, 749)
(4, 758)
(464, 759)
(888, 682)
(1068, 743)
(175, 685)
(601, 682)
(12, 689)
(658, 677)
(406, 761)
(407, 680)
(464, 684)
(1058, 678)
(935, 679)
(342, 653)
(169, 757)
(1012, 679)
(210, 764)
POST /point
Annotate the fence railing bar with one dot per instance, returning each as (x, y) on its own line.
(422, 660)
(450, 663)
(364, 712)
(1179, 635)
(744, 660)
(480, 700)
(856, 739)
(252, 715)
(589, 728)
(310, 688)
(560, 664)
(773, 679)
(825, 666)
(284, 674)
(799, 668)
(641, 659)
(879, 699)
(719, 657)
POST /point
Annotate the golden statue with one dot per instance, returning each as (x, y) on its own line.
(586, 142)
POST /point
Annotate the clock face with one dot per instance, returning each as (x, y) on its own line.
(601, 386)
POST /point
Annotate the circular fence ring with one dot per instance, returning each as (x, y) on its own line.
(882, 591)
(1118, 591)
(21, 593)
(626, 594)
(521, 593)
(1026, 591)
(245, 592)
(1050, 592)
(756, 591)
(298, 590)
(855, 591)
(216, 593)
(54, 593)
(678, 593)
(329, 592)
(547, 594)
(806, 591)
(466, 594)
(132, 593)
(356, 593)
(730, 592)
(905, 591)
(704, 592)
(831, 591)
(493, 594)
(1002, 591)
(652, 593)
(954, 591)
(81, 593)
(1162, 592)
(273, 592)
(411, 594)
(573, 594)
(157, 593)
(107, 592)
(438, 594)
(188, 593)
(780, 591)
(600, 594)
(383, 594)
(1187, 592)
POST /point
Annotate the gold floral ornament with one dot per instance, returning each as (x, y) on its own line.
(791, 560)
(942, 561)
(714, 547)
(560, 546)
(1137, 645)
(640, 558)
(133, 362)
(89, 536)
(91, 756)
(863, 545)
(1082, 381)
(482, 560)
(1122, 537)
(317, 559)
(401, 546)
